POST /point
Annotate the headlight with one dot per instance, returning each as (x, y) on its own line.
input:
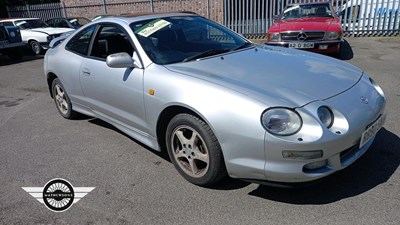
(333, 35)
(273, 37)
(281, 121)
(326, 116)
(377, 87)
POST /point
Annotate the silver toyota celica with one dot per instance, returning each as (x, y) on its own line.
(217, 103)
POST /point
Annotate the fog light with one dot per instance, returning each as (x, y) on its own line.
(316, 165)
(302, 154)
(323, 47)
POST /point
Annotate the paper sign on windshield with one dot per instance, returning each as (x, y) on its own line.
(152, 27)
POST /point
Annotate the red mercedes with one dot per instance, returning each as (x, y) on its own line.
(309, 26)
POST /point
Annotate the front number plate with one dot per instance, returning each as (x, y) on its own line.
(301, 45)
(371, 131)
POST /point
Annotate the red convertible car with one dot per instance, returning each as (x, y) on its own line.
(309, 26)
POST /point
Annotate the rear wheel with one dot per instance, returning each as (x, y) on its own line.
(36, 47)
(194, 150)
(62, 100)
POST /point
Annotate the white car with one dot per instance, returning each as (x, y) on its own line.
(35, 33)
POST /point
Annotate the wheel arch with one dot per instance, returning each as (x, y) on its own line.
(50, 78)
(165, 117)
(31, 39)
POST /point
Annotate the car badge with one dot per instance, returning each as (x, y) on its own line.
(364, 100)
(302, 36)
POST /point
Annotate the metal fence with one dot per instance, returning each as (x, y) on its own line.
(251, 18)
(43, 11)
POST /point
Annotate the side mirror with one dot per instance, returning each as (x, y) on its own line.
(276, 18)
(122, 60)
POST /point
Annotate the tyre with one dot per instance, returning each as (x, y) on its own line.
(36, 47)
(339, 53)
(62, 100)
(15, 53)
(194, 150)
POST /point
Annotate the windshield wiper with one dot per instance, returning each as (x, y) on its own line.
(205, 54)
(244, 45)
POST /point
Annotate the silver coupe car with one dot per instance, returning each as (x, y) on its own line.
(217, 103)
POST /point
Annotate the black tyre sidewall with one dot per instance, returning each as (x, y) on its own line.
(33, 50)
(70, 113)
(216, 169)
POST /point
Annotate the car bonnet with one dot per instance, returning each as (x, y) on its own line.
(275, 76)
(51, 30)
(314, 24)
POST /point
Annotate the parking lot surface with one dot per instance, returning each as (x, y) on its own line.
(135, 185)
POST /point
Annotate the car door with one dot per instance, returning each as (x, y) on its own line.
(114, 93)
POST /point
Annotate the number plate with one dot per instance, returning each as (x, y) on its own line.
(301, 45)
(372, 130)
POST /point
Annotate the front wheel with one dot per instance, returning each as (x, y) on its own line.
(36, 47)
(63, 103)
(194, 150)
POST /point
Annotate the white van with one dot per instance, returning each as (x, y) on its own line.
(370, 16)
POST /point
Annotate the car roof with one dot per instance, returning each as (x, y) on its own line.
(309, 3)
(15, 19)
(67, 18)
(134, 17)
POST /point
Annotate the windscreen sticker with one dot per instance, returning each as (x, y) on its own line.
(152, 27)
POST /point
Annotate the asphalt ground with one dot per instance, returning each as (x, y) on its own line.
(135, 185)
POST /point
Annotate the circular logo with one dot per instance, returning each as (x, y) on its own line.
(12, 34)
(364, 100)
(301, 36)
(58, 195)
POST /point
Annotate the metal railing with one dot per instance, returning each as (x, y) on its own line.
(251, 18)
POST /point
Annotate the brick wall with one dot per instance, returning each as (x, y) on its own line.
(212, 9)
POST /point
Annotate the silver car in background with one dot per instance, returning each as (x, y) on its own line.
(218, 104)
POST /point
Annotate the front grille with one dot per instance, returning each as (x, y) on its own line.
(309, 36)
(348, 153)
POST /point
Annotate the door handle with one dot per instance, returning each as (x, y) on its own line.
(86, 72)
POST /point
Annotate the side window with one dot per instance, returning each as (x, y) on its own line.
(62, 23)
(50, 23)
(80, 42)
(7, 24)
(109, 40)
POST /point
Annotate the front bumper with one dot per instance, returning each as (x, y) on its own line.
(45, 45)
(340, 143)
(319, 46)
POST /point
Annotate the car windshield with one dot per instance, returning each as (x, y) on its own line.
(312, 10)
(185, 38)
(78, 21)
(30, 24)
